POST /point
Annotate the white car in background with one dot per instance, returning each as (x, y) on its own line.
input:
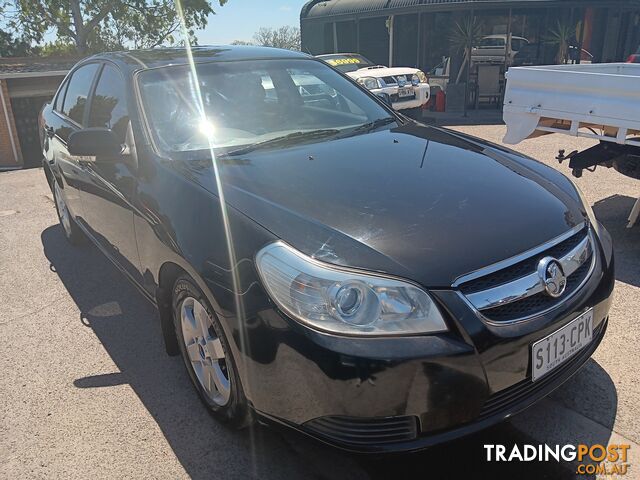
(493, 49)
(407, 87)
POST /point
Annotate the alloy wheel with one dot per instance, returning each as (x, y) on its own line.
(63, 211)
(205, 351)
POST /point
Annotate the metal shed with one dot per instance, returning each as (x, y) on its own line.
(421, 33)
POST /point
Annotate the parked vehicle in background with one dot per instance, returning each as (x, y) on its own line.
(570, 99)
(493, 48)
(634, 57)
(334, 267)
(407, 87)
(532, 54)
(529, 54)
(438, 76)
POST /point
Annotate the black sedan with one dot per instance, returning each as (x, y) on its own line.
(318, 260)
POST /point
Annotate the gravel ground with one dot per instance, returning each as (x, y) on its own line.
(88, 392)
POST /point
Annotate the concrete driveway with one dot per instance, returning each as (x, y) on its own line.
(87, 391)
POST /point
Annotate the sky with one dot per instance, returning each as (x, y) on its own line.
(240, 19)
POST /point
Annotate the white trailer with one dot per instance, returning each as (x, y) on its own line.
(599, 101)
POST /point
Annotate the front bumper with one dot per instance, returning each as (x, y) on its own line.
(402, 394)
(422, 93)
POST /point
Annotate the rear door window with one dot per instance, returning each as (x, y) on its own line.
(77, 92)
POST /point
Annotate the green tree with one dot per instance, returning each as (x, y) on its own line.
(13, 47)
(55, 49)
(283, 37)
(93, 25)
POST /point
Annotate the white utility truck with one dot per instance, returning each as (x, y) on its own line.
(599, 101)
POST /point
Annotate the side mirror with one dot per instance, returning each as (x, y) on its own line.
(94, 142)
(385, 97)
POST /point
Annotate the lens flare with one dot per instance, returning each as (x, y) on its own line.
(207, 128)
(233, 263)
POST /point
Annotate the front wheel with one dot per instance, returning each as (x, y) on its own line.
(207, 355)
(72, 231)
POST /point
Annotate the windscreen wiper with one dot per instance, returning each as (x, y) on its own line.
(370, 126)
(285, 140)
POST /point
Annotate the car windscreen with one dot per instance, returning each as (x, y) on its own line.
(240, 103)
(347, 63)
(490, 42)
(518, 43)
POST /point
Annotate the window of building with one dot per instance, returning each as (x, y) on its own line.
(405, 40)
(374, 39)
(435, 49)
(347, 36)
(312, 35)
(329, 42)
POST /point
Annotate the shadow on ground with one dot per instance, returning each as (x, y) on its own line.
(613, 212)
(128, 328)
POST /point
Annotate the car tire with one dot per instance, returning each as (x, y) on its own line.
(72, 232)
(207, 355)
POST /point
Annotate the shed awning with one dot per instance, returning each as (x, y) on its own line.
(341, 7)
(326, 8)
(30, 67)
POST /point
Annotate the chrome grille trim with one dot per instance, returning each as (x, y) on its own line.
(530, 285)
(501, 323)
(517, 258)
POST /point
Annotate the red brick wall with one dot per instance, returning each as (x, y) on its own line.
(7, 156)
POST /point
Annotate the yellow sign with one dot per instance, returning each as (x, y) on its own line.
(343, 61)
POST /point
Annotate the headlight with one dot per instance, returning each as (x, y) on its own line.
(415, 81)
(422, 77)
(587, 207)
(342, 301)
(369, 83)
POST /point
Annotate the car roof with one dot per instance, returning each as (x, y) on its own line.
(326, 55)
(160, 57)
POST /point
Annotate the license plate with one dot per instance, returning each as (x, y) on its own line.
(405, 92)
(557, 347)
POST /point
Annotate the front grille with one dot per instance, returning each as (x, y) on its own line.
(523, 268)
(516, 291)
(365, 431)
(503, 400)
(539, 302)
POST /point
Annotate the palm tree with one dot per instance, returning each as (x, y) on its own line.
(562, 35)
(466, 34)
